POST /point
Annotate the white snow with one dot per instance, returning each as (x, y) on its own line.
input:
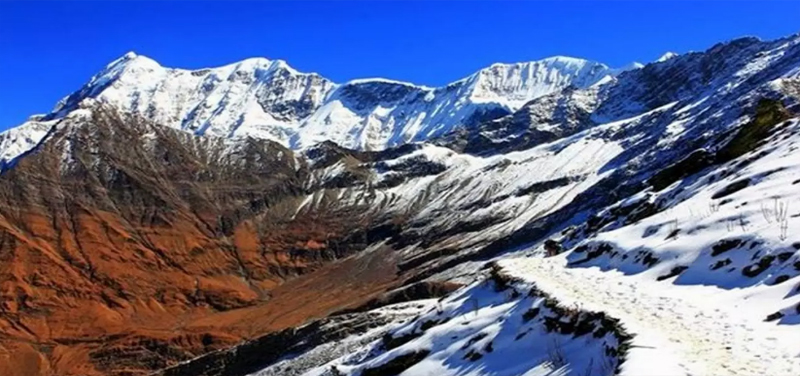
(707, 320)
(480, 320)
(666, 56)
(268, 99)
(297, 364)
(16, 141)
(678, 330)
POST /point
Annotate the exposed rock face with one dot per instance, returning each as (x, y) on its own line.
(545, 119)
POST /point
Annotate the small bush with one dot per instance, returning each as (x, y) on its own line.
(646, 258)
(473, 355)
(390, 342)
(640, 211)
(431, 323)
(725, 245)
(552, 247)
(583, 327)
(673, 234)
(535, 292)
(473, 340)
(692, 164)
(781, 279)
(595, 253)
(530, 314)
(731, 189)
(721, 263)
(769, 112)
(584, 247)
(502, 281)
(756, 269)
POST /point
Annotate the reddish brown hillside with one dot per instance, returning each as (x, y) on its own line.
(126, 247)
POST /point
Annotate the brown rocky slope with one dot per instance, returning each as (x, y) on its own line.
(126, 247)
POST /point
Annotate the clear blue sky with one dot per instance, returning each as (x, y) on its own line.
(49, 49)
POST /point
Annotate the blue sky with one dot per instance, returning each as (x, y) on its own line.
(49, 49)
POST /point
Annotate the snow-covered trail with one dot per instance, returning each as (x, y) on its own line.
(675, 332)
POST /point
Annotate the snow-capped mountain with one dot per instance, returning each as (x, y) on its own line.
(268, 99)
(666, 56)
(610, 219)
(664, 199)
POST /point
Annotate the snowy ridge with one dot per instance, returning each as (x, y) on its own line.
(666, 56)
(16, 141)
(265, 98)
(515, 84)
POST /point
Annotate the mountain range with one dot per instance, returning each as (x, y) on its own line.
(555, 217)
(268, 99)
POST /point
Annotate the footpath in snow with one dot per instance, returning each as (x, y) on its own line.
(678, 331)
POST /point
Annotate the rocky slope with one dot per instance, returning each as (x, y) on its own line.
(130, 245)
(119, 234)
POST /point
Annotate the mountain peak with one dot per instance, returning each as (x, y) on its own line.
(512, 85)
(566, 60)
(666, 56)
(128, 56)
(558, 60)
(630, 66)
(386, 81)
(127, 61)
(267, 98)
